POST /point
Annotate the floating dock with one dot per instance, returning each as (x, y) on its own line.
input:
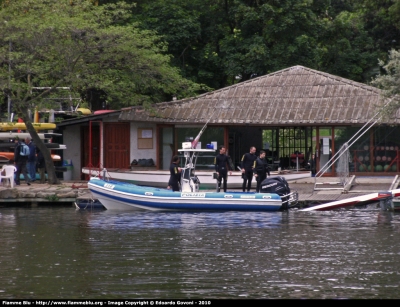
(329, 195)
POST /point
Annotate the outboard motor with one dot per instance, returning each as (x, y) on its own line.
(277, 185)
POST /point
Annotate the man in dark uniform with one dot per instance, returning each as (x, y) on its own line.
(221, 162)
(261, 169)
(247, 165)
(175, 171)
(313, 165)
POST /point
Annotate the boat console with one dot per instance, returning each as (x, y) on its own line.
(190, 183)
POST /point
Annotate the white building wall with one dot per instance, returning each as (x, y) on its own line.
(137, 153)
(73, 151)
(71, 138)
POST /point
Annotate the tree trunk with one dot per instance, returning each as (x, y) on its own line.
(50, 168)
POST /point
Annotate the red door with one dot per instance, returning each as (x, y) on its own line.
(117, 145)
(90, 144)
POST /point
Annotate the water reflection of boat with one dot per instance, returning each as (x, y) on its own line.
(185, 221)
(117, 195)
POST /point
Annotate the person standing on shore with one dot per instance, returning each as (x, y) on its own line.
(31, 163)
(313, 165)
(21, 153)
(261, 169)
(247, 165)
(221, 162)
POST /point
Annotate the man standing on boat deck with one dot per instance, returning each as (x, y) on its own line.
(221, 162)
(175, 178)
(247, 165)
(31, 164)
(261, 169)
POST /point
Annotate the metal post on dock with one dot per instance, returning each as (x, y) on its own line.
(387, 202)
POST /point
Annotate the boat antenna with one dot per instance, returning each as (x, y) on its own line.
(196, 140)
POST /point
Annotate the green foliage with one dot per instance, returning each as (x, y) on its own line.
(389, 82)
(125, 51)
(80, 45)
(382, 21)
(52, 198)
(349, 49)
(215, 42)
(54, 43)
(219, 42)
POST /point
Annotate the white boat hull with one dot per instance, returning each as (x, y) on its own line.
(160, 178)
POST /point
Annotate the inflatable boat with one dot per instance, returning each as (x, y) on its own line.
(274, 195)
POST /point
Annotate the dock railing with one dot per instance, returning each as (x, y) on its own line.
(344, 150)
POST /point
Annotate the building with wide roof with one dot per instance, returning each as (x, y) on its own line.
(290, 113)
(296, 95)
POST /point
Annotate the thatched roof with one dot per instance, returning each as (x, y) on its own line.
(296, 95)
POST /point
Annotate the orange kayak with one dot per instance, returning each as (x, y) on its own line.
(9, 156)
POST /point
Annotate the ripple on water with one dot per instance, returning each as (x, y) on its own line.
(336, 254)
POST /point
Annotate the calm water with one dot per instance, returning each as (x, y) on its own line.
(64, 253)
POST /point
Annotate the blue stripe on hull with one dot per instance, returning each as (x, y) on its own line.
(158, 199)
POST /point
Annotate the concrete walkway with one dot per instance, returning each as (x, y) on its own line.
(66, 191)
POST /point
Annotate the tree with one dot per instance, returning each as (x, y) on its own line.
(220, 42)
(216, 41)
(389, 82)
(382, 21)
(75, 43)
(349, 49)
